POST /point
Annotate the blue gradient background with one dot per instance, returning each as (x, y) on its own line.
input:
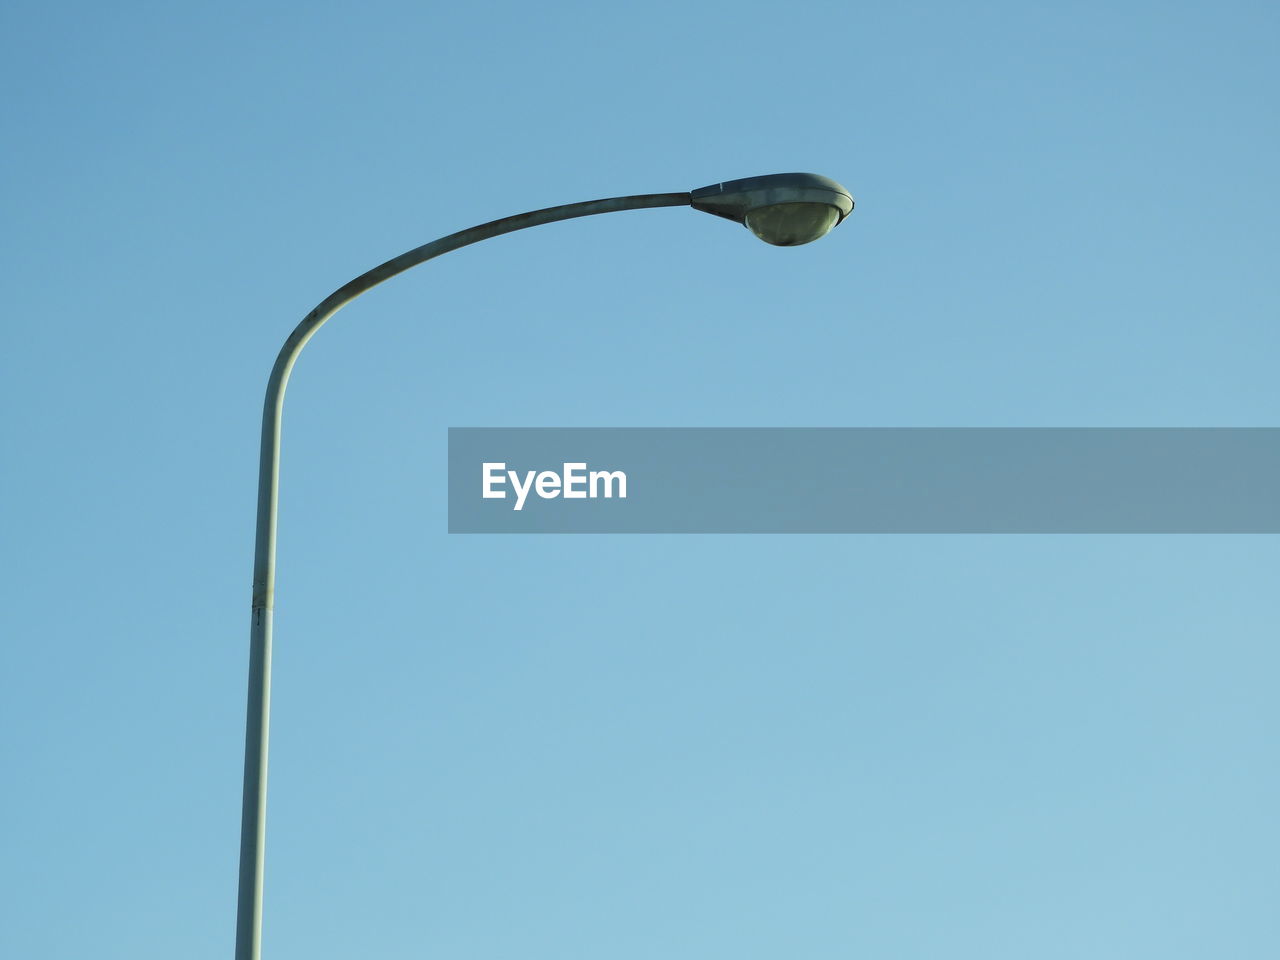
(627, 747)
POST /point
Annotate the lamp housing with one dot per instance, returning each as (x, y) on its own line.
(784, 209)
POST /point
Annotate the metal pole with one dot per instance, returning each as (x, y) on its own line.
(253, 824)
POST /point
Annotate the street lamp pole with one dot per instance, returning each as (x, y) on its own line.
(783, 209)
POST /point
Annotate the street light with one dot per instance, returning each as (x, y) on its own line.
(784, 209)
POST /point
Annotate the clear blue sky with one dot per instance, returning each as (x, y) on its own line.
(627, 747)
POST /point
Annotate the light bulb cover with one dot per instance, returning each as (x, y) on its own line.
(791, 224)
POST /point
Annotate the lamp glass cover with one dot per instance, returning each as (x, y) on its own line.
(791, 224)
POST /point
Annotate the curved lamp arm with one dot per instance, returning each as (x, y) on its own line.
(264, 558)
(253, 811)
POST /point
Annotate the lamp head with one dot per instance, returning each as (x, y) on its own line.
(785, 209)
